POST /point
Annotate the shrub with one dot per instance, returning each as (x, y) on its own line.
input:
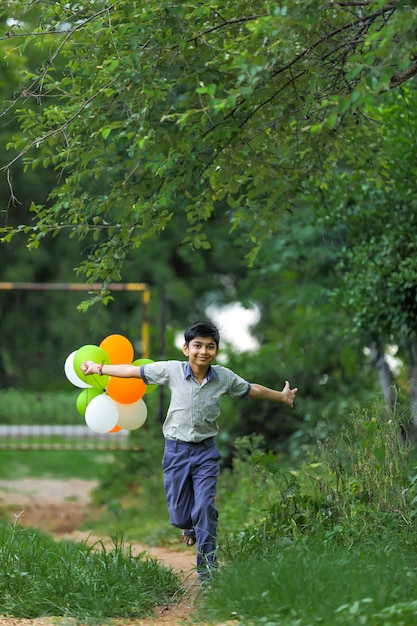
(356, 481)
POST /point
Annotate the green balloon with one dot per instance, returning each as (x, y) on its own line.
(85, 397)
(140, 362)
(96, 354)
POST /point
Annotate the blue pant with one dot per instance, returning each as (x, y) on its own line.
(190, 478)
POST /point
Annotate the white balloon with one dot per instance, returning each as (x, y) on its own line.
(101, 414)
(132, 415)
(71, 374)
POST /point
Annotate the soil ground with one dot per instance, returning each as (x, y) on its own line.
(59, 508)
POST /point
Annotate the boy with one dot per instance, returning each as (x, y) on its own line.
(191, 457)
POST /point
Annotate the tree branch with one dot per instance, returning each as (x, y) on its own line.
(28, 91)
(400, 78)
(362, 22)
(56, 131)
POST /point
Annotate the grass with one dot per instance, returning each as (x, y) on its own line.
(315, 583)
(39, 577)
(329, 541)
(60, 464)
(335, 544)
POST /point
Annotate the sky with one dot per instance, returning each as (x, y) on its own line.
(233, 321)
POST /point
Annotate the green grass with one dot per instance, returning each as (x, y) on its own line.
(334, 541)
(315, 583)
(39, 577)
(60, 464)
(329, 541)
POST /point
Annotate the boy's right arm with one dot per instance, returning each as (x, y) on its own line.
(118, 371)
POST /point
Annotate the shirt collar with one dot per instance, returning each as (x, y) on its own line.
(211, 373)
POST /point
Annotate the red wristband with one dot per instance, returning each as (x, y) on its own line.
(100, 369)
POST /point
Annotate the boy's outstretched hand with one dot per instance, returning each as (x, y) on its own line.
(89, 367)
(289, 394)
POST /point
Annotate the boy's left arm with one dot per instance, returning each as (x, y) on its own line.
(287, 395)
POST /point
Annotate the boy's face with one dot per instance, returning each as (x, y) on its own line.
(201, 351)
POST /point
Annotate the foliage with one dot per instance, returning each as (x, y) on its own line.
(303, 336)
(138, 133)
(358, 480)
(39, 329)
(333, 543)
(41, 577)
(146, 113)
(373, 227)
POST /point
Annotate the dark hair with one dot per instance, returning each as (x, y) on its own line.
(202, 329)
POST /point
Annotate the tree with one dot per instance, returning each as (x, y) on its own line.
(202, 115)
(194, 109)
(303, 336)
(374, 226)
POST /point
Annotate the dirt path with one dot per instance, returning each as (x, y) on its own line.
(59, 507)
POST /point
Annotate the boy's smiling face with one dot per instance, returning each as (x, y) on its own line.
(201, 352)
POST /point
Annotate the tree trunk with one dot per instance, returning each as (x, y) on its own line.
(412, 426)
(384, 373)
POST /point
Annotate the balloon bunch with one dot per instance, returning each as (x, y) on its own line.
(109, 404)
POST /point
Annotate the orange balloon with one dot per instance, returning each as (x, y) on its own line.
(119, 349)
(125, 390)
(116, 429)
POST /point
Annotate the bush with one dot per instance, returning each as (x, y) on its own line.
(334, 539)
(358, 479)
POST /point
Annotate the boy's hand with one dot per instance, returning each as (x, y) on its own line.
(89, 367)
(289, 394)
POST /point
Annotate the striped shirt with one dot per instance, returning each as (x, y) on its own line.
(194, 408)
